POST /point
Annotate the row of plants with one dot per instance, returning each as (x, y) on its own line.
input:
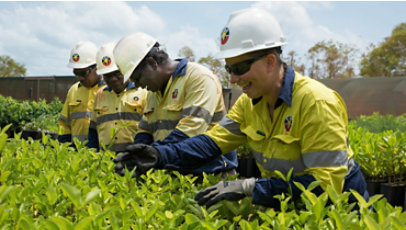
(29, 115)
(48, 185)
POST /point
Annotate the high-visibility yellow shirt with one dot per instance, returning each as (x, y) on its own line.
(192, 103)
(308, 132)
(120, 112)
(77, 110)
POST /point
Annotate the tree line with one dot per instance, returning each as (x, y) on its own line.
(326, 59)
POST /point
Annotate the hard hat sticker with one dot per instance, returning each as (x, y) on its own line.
(225, 35)
(75, 57)
(106, 61)
(175, 94)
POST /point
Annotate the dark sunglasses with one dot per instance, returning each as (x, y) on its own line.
(241, 68)
(84, 73)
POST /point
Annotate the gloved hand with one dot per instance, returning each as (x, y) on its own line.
(142, 156)
(226, 190)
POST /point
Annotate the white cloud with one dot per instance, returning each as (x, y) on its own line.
(41, 36)
(189, 36)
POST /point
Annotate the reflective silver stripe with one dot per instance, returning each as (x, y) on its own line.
(217, 116)
(63, 118)
(158, 125)
(80, 137)
(118, 116)
(118, 147)
(325, 159)
(197, 111)
(279, 164)
(93, 125)
(351, 165)
(78, 115)
(231, 126)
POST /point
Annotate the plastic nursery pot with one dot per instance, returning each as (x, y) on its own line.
(34, 134)
(394, 193)
(247, 168)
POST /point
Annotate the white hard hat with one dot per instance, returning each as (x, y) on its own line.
(105, 59)
(130, 51)
(82, 55)
(249, 30)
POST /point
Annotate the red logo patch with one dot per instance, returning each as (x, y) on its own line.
(288, 123)
(175, 94)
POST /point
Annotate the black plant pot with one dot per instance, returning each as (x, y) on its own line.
(394, 193)
(34, 134)
(53, 136)
(373, 187)
(247, 167)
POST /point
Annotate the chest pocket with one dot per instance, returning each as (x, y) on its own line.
(134, 107)
(175, 107)
(253, 133)
(75, 106)
(285, 147)
(101, 110)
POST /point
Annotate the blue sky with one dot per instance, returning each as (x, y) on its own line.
(40, 35)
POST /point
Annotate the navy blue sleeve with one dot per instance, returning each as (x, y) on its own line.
(267, 188)
(65, 138)
(93, 139)
(189, 153)
(143, 138)
(175, 136)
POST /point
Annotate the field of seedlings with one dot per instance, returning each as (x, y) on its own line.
(48, 185)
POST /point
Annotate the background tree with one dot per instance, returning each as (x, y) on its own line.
(292, 60)
(217, 67)
(187, 52)
(10, 68)
(331, 60)
(389, 58)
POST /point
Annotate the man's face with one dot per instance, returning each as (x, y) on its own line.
(115, 80)
(87, 76)
(145, 76)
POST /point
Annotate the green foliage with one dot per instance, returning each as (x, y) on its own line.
(377, 123)
(244, 151)
(48, 185)
(32, 115)
(379, 144)
(388, 59)
(10, 68)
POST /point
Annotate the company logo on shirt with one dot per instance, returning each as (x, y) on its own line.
(175, 94)
(288, 123)
(225, 34)
(136, 98)
(106, 60)
(75, 57)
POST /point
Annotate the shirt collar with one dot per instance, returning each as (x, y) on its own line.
(130, 85)
(101, 82)
(287, 87)
(180, 68)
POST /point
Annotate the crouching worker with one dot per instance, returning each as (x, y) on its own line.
(184, 100)
(289, 121)
(117, 106)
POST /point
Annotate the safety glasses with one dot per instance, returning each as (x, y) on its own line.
(83, 73)
(241, 68)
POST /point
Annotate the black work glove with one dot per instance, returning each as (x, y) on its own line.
(142, 156)
(226, 190)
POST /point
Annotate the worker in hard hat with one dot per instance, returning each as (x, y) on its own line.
(75, 116)
(184, 100)
(118, 107)
(291, 122)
